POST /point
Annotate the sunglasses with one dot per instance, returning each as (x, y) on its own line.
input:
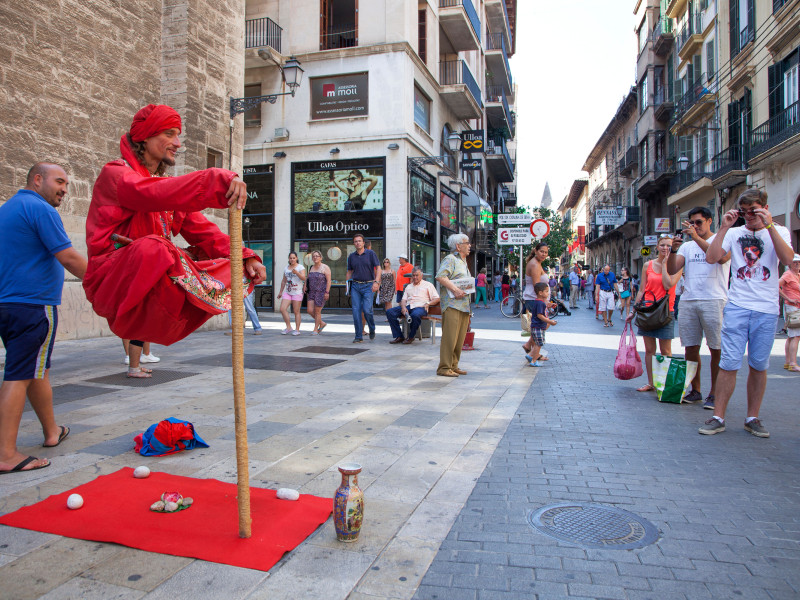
(750, 212)
(666, 235)
(697, 223)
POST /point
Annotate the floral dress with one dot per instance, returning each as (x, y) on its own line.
(386, 291)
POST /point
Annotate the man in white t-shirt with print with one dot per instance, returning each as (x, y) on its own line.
(751, 313)
(703, 299)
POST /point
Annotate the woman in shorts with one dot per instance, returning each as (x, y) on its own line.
(291, 294)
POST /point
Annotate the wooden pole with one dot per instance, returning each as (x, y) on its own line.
(237, 360)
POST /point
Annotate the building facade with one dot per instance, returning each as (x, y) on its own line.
(362, 147)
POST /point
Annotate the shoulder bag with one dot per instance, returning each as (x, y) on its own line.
(653, 314)
(793, 319)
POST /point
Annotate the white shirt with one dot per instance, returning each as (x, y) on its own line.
(294, 285)
(754, 273)
(419, 295)
(702, 281)
(574, 278)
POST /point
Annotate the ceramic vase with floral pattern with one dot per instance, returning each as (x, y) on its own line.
(348, 504)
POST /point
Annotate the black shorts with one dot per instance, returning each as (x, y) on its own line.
(28, 332)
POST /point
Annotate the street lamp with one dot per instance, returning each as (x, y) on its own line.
(292, 74)
(453, 144)
(683, 163)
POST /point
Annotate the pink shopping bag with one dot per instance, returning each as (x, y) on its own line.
(628, 364)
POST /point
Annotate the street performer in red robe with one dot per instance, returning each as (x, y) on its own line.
(147, 287)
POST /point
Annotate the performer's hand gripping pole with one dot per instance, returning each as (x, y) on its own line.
(237, 347)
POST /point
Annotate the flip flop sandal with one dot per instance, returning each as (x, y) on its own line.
(139, 373)
(646, 388)
(793, 369)
(321, 327)
(541, 358)
(20, 468)
(61, 437)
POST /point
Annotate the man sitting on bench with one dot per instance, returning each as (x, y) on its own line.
(417, 297)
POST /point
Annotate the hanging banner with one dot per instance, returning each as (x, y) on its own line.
(472, 141)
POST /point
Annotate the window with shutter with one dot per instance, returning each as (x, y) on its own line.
(710, 66)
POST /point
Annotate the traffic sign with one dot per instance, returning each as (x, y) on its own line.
(645, 251)
(650, 240)
(513, 236)
(540, 229)
(514, 219)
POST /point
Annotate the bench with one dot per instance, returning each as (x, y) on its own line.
(434, 316)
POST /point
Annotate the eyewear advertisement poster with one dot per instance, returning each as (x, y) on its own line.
(336, 96)
(338, 186)
(449, 210)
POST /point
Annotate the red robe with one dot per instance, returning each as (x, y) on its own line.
(151, 290)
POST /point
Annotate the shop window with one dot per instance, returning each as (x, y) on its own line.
(257, 230)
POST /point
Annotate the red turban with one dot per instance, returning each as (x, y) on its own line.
(152, 120)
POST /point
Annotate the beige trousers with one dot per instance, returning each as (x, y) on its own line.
(454, 328)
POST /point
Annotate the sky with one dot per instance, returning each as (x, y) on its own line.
(575, 62)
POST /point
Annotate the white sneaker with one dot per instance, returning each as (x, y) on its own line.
(149, 358)
(286, 331)
(296, 332)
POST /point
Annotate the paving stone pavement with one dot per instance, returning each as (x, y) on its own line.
(727, 506)
(423, 441)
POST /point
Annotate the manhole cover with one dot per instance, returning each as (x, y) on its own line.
(594, 526)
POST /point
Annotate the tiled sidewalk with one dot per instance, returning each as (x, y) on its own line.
(423, 441)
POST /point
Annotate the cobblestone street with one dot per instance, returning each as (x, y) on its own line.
(727, 506)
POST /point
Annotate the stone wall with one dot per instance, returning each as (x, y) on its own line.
(73, 73)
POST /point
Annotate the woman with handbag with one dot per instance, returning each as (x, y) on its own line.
(655, 316)
(626, 287)
(789, 289)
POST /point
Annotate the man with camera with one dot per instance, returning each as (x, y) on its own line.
(751, 314)
(704, 296)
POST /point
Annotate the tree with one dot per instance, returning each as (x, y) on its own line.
(558, 239)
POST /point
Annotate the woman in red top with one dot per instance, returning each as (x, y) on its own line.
(789, 289)
(656, 281)
(480, 288)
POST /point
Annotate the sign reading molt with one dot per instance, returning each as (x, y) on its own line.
(337, 225)
(336, 96)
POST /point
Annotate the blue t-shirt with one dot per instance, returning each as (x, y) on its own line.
(606, 283)
(32, 232)
(363, 265)
(538, 308)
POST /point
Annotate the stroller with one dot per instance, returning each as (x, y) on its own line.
(557, 307)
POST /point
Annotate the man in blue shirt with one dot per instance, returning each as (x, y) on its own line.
(364, 274)
(604, 285)
(34, 251)
(574, 286)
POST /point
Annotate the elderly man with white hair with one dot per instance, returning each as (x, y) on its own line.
(455, 305)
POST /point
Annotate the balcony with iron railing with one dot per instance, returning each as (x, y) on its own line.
(733, 158)
(262, 33)
(690, 37)
(497, 17)
(498, 110)
(341, 36)
(459, 89)
(460, 21)
(499, 70)
(691, 174)
(631, 161)
(782, 127)
(498, 159)
(662, 100)
(684, 106)
(662, 36)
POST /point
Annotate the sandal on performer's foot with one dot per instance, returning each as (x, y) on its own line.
(646, 388)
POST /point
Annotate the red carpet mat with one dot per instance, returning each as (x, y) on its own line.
(117, 509)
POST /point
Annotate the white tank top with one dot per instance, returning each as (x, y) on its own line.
(528, 293)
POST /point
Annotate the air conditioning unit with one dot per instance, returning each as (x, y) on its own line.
(281, 134)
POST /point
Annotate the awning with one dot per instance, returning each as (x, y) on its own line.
(470, 198)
